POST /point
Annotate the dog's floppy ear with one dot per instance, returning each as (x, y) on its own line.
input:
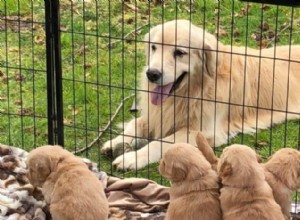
(172, 171)
(54, 161)
(178, 172)
(210, 57)
(208, 51)
(42, 167)
(225, 170)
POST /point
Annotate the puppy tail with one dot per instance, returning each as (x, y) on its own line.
(206, 150)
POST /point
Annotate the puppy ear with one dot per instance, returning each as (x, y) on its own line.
(172, 171)
(54, 161)
(225, 170)
(178, 174)
(42, 168)
(205, 149)
(258, 158)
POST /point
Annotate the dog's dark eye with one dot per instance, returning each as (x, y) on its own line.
(179, 53)
(153, 47)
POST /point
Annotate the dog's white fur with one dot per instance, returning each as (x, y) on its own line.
(214, 79)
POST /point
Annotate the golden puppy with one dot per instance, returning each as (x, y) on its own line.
(282, 172)
(189, 79)
(194, 193)
(69, 187)
(245, 193)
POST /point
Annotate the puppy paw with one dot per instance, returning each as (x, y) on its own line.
(130, 161)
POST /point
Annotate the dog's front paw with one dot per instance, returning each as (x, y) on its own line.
(130, 161)
(114, 148)
(107, 147)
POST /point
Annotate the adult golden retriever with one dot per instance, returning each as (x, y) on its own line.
(245, 193)
(189, 80)
(70, 189)
(195, 190)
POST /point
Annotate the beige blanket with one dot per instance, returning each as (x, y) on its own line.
(131, 198)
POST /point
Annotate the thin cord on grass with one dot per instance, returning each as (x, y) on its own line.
(90, 145)
(127, 35)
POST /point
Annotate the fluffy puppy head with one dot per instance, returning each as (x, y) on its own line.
(285, 165)
(42, 161)
(183, 162)
(238, 167)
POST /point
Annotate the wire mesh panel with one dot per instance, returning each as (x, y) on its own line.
(23, 103)
(104, 65)
(118, 57)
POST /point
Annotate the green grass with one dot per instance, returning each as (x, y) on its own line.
(96, 78)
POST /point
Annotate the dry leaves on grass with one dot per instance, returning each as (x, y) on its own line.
(19, 77)
(74, 110)
(221, 33)
(16, 24)
(25, 111)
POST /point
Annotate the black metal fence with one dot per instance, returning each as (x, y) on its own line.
(69, 69)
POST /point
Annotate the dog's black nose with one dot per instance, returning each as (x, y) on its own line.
(153, 75)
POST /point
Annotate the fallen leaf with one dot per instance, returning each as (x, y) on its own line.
(19, 77)
(25, 111)
(236, 32)
(74, 110)
(29, 129)
(13, 49)
(40, 39)
(68, 121)
(4, 79)
(261, 145)
(265, 7)
(18, 102)
(131, 7)
(83, 49)
(144, 17)
(221, 33)
(2, 98)
(262, 44)
(256, 36)
(63, 28)
(264, 26)
(87, 66)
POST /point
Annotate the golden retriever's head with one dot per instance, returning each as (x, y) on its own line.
(174, 50)
(285, 164)
(238, 166)
(42, 161)
(183, 162)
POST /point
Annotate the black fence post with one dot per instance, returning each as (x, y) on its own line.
(54, 74)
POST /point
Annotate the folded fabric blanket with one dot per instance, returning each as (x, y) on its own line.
(131, 198)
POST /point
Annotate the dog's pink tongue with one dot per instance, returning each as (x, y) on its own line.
(160, 94)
